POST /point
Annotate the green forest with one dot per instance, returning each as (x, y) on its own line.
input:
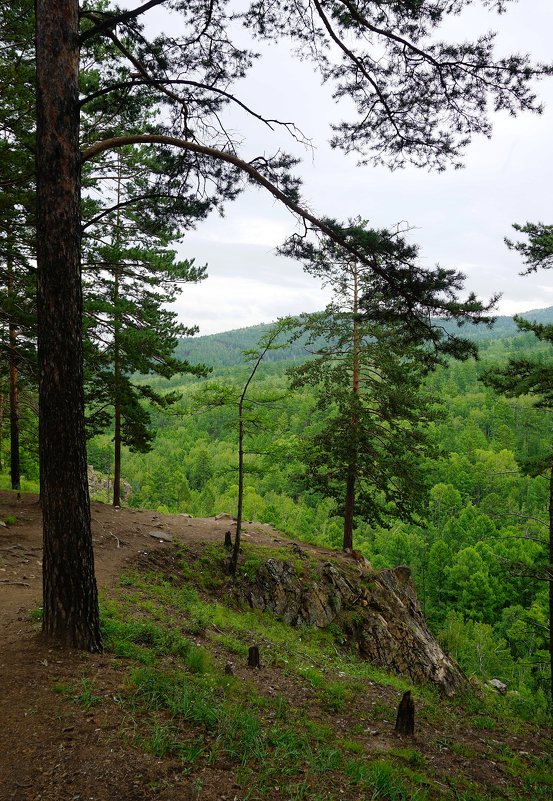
(477, 547)
(403, 423)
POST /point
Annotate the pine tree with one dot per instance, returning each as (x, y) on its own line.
(17, 302)
(130, 276)
(367, 450)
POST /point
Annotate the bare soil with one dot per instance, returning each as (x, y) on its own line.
(55, 750)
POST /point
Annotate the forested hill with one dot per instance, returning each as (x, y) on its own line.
(226, 349)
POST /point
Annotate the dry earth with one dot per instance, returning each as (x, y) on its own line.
(54, 750)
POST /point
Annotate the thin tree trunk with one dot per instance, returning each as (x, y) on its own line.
(15, 470)
(351, 475)
(349, 509)
(117, 456)
(236, 547)
(70, 598)
(260, 357)
(551, 577)
(117, 402)
(2, 407)
(117, 354)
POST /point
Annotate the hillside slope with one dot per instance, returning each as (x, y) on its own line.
(171, 710)
(226, 349)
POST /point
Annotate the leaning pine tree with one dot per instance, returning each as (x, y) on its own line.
(415, 100)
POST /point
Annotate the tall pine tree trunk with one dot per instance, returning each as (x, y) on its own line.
(117, 454)
(2, 407)
(69, 586)
(117, 325)
(349, 509)
(351, 475)
(240, 505)
(551, 577)
(15, 471)
(117, 393)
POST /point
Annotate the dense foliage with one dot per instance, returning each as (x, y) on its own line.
(486, 521)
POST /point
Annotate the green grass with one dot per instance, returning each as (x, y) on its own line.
(81, 693)
(173, 640)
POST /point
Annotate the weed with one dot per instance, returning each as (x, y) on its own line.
(327, 760)
(409, 755)
(232, 644)
(334, 695)
(62, 689)
(161, 741)
(10, 520)
(461, 749)
(86, 696)
(383, 711)
(281, 708)
(314, 677)
(386, 784)
(484, 722)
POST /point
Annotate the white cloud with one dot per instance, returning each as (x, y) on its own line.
(460, 217)
(220, 304)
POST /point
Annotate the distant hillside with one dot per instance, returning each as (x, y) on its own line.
(226, 349)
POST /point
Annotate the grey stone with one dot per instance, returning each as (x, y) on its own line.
(378, 612)
(164, 536)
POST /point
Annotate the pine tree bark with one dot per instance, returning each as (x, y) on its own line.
(117, 406)
(551, 577)
(349, 509)
(351, 476)
(69, 588)
(240, 504)
(15, 469)
(2, 407)
(117, 353)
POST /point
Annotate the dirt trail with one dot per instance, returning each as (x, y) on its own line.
(53, 749)
(49, 750)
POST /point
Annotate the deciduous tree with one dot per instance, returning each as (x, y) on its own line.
(534, 377)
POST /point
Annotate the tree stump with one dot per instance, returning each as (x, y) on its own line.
(228, 539)
(253, 657)
(405, 720)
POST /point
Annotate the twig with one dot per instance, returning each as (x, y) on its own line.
(115, 538)
(18, 583)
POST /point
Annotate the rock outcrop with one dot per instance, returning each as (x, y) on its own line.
(378, 611)
(99, 483)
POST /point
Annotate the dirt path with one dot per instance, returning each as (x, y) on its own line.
(49, 750)
(53, 749)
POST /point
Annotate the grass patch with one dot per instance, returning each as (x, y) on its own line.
(299, 726)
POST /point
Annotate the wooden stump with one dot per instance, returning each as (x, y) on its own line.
(405, 720)
(228, 539)
(253, 657)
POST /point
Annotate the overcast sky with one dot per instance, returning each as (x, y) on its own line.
(459, 217)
